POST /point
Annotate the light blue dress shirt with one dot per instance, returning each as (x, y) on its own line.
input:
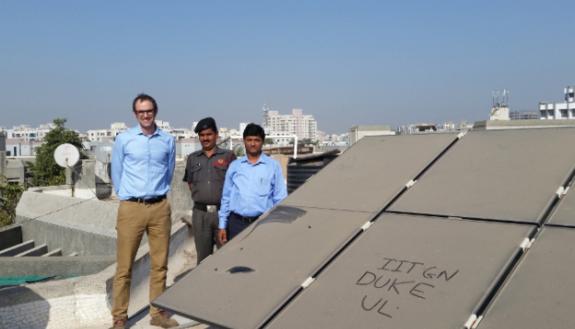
(251, 189)
(143, 166)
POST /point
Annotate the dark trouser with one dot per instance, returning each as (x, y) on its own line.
(205, 229)
(236, 224)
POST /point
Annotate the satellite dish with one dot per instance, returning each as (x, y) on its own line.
(66, 155)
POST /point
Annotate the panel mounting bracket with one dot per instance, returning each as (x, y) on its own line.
(526, 244)
(561, 191)
(470, 321)
(307, 282)
(365, 226)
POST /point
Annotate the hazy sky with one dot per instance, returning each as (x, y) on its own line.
(345, 62)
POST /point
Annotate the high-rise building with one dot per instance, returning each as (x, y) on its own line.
(301, 125)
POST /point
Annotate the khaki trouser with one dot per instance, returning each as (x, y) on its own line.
(133, 220)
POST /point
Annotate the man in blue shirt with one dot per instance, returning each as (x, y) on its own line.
(253, 185)
(143, 161)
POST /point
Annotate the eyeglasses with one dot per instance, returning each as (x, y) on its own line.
(142, 112)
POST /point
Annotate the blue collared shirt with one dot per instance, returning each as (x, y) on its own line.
(251, 189)
(143, 166)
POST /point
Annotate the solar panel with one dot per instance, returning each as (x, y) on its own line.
(407, 272)
(368, 175)
(564, 214)
(307, 264)
(263, 267)
(540, 292)
(243, 283)
(509, 175)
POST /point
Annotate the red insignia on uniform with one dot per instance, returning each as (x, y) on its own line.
(220, 163)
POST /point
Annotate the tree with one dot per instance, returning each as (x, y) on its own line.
(9, 196)
(45, 171)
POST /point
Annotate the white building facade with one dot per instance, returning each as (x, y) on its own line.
(358, 132)
(304, 126)
(559, 111)
(116, 128)
(27, 133)
(24, 140)
(103, 135)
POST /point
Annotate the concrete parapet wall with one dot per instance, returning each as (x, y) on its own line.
(521, 124)
(34, 204)
(10, 235)
(85, 302)
(68, 239)
(54, 266)
(180, 196)
(86, 226)
(85, 176)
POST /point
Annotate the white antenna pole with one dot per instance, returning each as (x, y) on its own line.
(66, 156)
(295, 146)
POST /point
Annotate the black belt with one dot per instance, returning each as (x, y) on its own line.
(206, 207)
(244, 219)
(147, 201)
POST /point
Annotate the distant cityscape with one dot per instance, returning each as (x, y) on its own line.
(285, 129)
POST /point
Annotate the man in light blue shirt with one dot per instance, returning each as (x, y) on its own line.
(143, 161)
(254, 184)
(142, 164)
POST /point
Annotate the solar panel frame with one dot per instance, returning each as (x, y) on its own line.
(494, 175)
(326, 302)
(539, 292)
(564, 213)
(364, 169)
(241, 267)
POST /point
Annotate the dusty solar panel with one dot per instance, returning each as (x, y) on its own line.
(242, 284)
(564, 214)
(265, 265)
(407, 272)
(508, 175)
(540, 292)
(370, 173)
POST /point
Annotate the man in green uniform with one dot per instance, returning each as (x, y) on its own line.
(205, 174)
